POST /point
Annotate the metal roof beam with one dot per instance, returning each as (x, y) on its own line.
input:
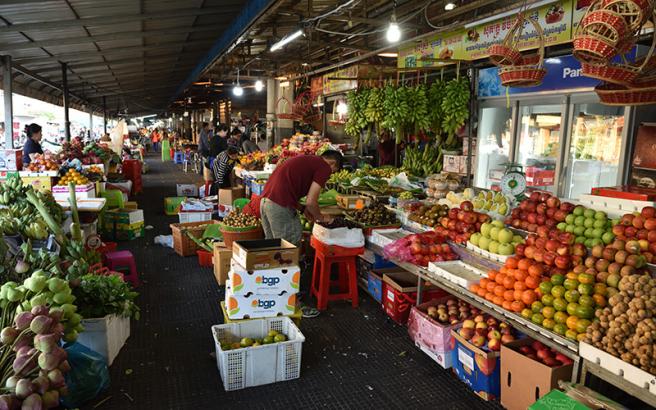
(128, 35)
(115, 64)
(115, 51)
(121, 72)
(118, 18)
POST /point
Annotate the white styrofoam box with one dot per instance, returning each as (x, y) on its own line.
(194, 216)
(416, 227)
(614, 207)
(254, 306)
(255, 366)
(444, 359)
(344, 237)
(489, 255)
(81, 191)
(105, 335)
(264, 281)
(382, 237)
(457, 272)
(618, 367)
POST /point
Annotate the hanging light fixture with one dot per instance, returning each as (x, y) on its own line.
(238, 91)
(259, 85)
(393, 31)
(449, 6)
(286, 40)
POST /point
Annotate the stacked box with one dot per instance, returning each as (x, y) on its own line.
(123, 224)
(263, 280)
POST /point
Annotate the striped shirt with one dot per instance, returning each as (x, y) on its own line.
(222, 168)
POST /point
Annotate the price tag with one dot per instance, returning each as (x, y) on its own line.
(465, 359)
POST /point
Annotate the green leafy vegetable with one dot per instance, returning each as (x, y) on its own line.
(98, 296)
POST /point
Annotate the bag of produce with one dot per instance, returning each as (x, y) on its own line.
(89, 375)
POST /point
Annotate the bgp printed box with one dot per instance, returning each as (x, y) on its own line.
(264, 281)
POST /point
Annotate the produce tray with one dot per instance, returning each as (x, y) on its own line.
(383, 237)
(618, 367)
(457, 272)
(614, 207)
(473, 258)
(489, 255)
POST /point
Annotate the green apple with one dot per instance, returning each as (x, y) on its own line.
(561, 226)
(484, 243)
(588, 222)
(475, 238)
(589, 213)
(518, 239)
(578, 211)
(579, 220)
(599, 223)
(595, 242)
(588, 233)
(570, 219)
(498, 223)
(494, 233)
(503, 209)
(579, 230)
(580, 239)
(485, 229)
(588, 243)
(570, 228)
(505, 235)
(607, 237)
(494, 247)
(506, 249)
(597, 233)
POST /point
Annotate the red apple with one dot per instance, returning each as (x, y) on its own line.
(494, 334)
(478, 340)
(453, 213)
(541, 220)
(550, 223)
(494, 344)
(549, 258)
(627, 219)
(630, 232)
(648, 212)
(560, 215)
(524, 224)
(551, 212)
(535, 196)
(543, 231)
(618, 230)
(562, 261)
(541, 243)
(466, 206)
(532, 218)
(541, 209)
(507, 338)
(538, 255)
(551, 362)
(543, 353)
(537, 345)
(638, 222)
(567, 207)
(532, 227)
(520, 248)
(553, 202)
(466, 333)
(552, 245)
(526, 349)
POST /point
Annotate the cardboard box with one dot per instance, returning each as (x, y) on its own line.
(429, 335)
(131, 205)
(457, 164)
(125, 216)
(222, 257)
(39, 183)
(81, 191)
(256, 306)
(401, 280)
(186, 190)
(228, 196)
(265, 254)
(353, 201)
(272, 281)
(477, 368)
(524, 380)
(11, 159)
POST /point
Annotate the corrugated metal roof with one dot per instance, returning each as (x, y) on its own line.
(134, 52)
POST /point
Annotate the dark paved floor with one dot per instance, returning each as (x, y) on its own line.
(351, 358)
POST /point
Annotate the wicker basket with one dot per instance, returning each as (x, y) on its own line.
(530, 72)
(501, 54)
(606, 24)
(182, 244)
(613, 94)
(620, 74)
(529, 59)
(230, 236)
(287, 116)
(634, 12)
(593, 49)
(521, 75)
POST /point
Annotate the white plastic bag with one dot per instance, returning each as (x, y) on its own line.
(344, 237)
(401, 181)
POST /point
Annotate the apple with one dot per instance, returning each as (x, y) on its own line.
(632, 247)
(551, 362)
(648, 212)
(478, 340)
(563, 359)
(532, 218)
(494, 345)
(466, 333)
(627, 219)
(541, 209)
(602, 265)
(469, 324)
(507, 338)
(505, 249)
(559, 215)
(638, 222)
(562, 261)
(481, 325)
(553, 202)
(551, 212)
(630, 232)
(479, 319)
(466, 206)
(519, 249)
(542, 231)
(535, 196)
(494, 334)
(642, 234)
(549, 258)
(526, 349)
(492, 322)
(537, 345)
(579, 249)
(544, 353)
(453, 213)
(552, 245)
(567, 207)
(541, 243)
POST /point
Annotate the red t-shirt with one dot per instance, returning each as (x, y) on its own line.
(291, 180)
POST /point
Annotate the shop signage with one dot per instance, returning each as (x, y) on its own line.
(563, 73)
(556, 19)
(340, 80)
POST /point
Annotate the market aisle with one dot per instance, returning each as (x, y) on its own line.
(351, 358)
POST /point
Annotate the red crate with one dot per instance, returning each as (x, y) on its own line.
(334, 250)
(626, 192)
(204, 258)
(397, 304)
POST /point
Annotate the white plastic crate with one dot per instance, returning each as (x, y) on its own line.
(618, 367)
(457, 272)
(255, 366)
(105, 335)
(489, 255)
(383, 237)
(195, 216)
(614, 207)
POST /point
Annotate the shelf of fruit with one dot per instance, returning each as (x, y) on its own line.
(561, 343)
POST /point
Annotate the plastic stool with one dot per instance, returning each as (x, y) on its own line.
(123, 260)
(347, 275)
(114, 198)
(178, 157)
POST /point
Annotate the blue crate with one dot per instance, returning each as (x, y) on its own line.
(382, 263)
(375, 286)
(257, 189)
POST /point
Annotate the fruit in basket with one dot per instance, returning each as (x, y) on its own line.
(420, 249)
(460, 224)
(237, 219)
(375, 215)
(73, 176)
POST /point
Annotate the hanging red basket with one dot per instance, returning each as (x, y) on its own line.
(634, 12)
(613, 94)
(521, 76)
(501, 54)
(619, 74)
(529, 59)
(593, 49)
(605, 23)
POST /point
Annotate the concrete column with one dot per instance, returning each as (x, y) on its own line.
(9, 107)
(90, 123)
(67, 122)
(284, 128)
(105, 113)
(272, 97)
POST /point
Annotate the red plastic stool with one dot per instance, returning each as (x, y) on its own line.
(123, 260)
(325, 257)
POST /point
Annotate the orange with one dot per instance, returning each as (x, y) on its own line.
(489, 296)
(499, 279)
(512, 262)
(490, 286)
(497, 300)
(524, 264)
(517, 294)
(536, 270)
(481, 292)
(508, 282)
(498, 290)
(518, 285)
(532, 282)
(571, 322)
(474, 288)
(492, 274)
(483, 283)
(506, 305)
(528, 297)
(599, 300)
(517, 306)
(520, 275)
(509, 295)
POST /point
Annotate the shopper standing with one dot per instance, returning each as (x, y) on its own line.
(235, 138)
(32, 145)
(297, 177)
(222, 168)
(248, 146)
(155, 137)
(219, 141)
(204, 151)
(166, 148)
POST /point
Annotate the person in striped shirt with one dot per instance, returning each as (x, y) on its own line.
(222, 168)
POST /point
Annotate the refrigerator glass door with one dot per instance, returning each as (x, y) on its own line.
(538, 145)
(595, 148)
(494, 140)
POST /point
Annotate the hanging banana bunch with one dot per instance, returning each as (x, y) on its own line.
(357, 120)
(417, 120)
(455, 106)
(374, 111)
(423, 162)
(436, 94)
(396, 110)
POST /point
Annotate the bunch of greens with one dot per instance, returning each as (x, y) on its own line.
(99, 296)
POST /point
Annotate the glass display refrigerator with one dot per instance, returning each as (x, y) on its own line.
(565, 140)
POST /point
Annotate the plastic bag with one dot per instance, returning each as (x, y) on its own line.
(164, 240)
(401, 181)
(89, 375)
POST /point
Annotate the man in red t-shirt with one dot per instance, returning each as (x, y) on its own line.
(295, 178)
